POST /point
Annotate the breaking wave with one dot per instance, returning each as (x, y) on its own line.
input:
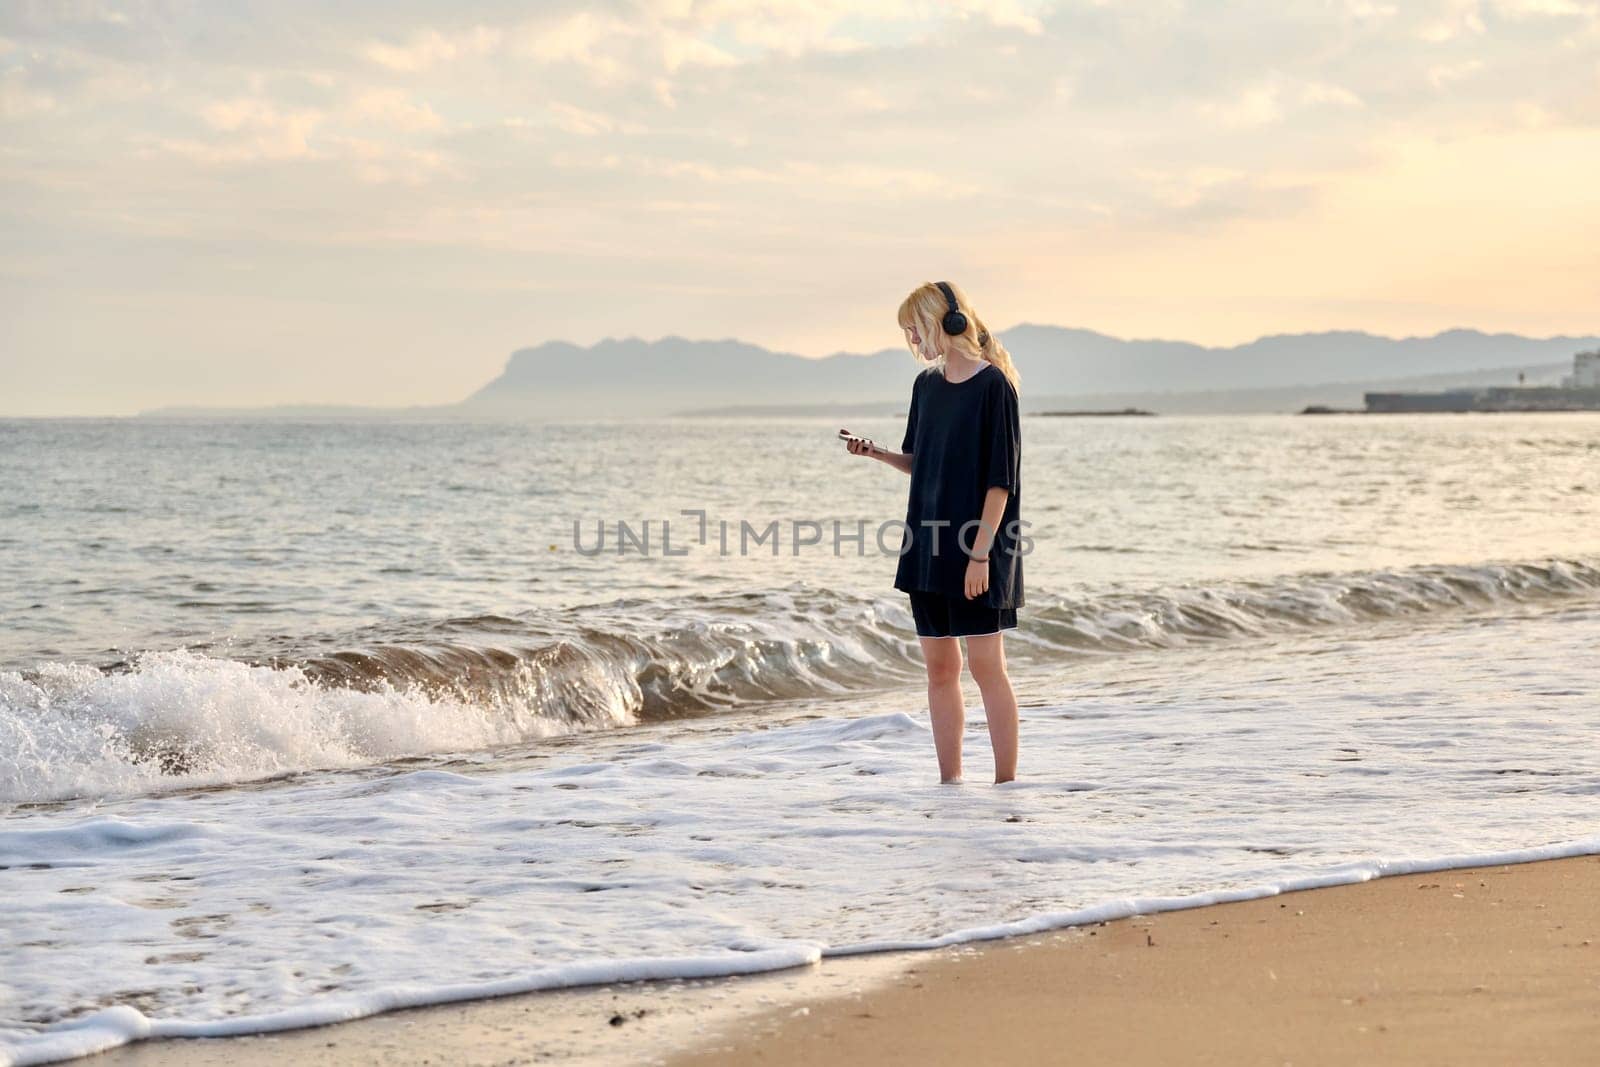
(180, 718)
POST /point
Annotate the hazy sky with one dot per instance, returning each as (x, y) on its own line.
(277, 200)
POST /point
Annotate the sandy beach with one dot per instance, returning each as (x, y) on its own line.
(1495, 965)
(1488, 965)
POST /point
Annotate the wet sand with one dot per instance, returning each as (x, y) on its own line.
(1492, 965)
(1483, 966)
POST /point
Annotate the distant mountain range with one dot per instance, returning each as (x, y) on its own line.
(1282, 398)
(1059, 366)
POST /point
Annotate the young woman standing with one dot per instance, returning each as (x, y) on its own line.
(961, 565)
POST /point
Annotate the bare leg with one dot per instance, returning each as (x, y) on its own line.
(986, 659)
(943, 657)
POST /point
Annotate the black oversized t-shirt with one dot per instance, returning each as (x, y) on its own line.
(964, 437)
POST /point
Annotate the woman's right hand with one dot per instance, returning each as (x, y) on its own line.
(900, 461)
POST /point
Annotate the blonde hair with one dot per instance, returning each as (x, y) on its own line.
(924, 311)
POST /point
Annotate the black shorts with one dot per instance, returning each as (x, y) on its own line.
(937, 615)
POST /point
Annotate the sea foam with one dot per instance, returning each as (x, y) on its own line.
(181, 718)
(1180, 779)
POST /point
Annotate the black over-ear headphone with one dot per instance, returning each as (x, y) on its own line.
(954, 322)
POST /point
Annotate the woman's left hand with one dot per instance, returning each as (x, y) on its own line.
(977, 582)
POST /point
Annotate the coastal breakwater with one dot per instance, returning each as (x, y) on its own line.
(1497, 399)
(1580, 391)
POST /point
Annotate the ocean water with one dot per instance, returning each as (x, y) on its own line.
(301, 721)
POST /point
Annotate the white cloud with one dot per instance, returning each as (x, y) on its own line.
(1442, 74)
(574, 37)
(1270, 102)
(684, 50)
(376, 163)
(394, 107)
(1004, 13)
(586, 123)
(1365, 10)
(258, 129)
(1454, 19)
(1521, 9)
(1328, 93)
(429, 48)
(1258, 105)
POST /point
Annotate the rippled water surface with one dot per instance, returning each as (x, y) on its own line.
(131, 535)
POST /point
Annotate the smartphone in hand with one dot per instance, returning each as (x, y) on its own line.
(849, 438)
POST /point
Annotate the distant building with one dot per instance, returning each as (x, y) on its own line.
(1579, 391)
(1585, 371)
